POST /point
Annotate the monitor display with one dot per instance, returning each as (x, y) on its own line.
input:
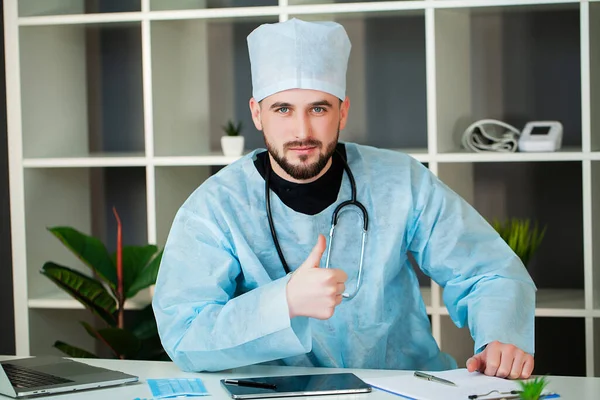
(540, 130)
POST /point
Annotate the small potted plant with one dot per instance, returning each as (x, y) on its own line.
(532, 389)
(232, 142)
(523, 238)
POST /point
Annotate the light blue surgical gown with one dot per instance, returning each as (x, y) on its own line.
(220, 297)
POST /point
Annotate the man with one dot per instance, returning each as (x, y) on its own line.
(224, 297)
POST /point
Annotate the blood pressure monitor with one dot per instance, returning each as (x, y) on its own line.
(541, 136)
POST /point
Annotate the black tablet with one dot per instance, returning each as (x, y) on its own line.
(294, 385)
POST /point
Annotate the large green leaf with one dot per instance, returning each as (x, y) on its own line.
(73, 351)
(140, 268)
(144, 326)
(120, 341)
(146, 329)
(90, 250)
(135, 259)
(94, 333)
(86, 290)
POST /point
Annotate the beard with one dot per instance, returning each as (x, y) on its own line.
(303, 171)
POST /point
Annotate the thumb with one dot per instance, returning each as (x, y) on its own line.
(315, 255)
(475, 363)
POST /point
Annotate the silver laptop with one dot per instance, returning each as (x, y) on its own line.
(39, 376)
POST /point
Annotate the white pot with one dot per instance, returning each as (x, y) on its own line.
(232, 146)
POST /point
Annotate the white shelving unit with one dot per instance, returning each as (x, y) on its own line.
(126, 107)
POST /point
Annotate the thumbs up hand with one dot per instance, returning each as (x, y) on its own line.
(313, 291)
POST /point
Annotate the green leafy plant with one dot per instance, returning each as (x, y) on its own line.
(232, 129)
(120, 276)
(532, 389)
(523, 238)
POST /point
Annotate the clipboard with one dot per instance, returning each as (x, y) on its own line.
(466, 383)
(296, 385)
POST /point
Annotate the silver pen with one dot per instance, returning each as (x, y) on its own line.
(432, 378)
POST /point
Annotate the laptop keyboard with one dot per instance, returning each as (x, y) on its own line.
(24, 378)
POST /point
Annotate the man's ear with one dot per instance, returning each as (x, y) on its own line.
(255, 111)
(344, 109)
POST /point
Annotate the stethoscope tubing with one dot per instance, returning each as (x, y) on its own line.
(334, 221)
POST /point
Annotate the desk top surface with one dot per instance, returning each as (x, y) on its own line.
(567, 387)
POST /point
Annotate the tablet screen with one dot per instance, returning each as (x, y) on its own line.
(298, 385)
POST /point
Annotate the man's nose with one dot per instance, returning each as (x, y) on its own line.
(303, 126)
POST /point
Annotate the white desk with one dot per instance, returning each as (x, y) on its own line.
(574, 388)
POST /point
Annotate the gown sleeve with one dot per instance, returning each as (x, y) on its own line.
(202, 326)
(485, 284)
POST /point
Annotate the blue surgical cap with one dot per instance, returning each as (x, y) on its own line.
(297, 54)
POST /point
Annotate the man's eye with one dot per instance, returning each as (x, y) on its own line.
(283, 110)
(318, 109)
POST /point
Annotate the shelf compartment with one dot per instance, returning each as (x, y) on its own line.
(594, 46)
(84, 90)
(173, 186)
(162, 5)
(81, 198)
(386, 77)
(553, 356)
(201, 79)
(189, 123)
(29, 8)
(48, 326)
(595, 226)
(514, 64)
(549, 193)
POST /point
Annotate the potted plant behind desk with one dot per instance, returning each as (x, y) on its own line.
(523, 238)
(232, 143)
(120, 276)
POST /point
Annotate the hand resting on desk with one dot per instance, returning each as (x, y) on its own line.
(502, 360)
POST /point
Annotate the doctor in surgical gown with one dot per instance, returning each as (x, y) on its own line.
(220, 299)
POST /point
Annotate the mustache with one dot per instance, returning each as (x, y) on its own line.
(303, 143)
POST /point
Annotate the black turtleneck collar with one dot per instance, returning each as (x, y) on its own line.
(307, 198)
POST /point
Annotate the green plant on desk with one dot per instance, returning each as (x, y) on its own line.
(532, 389)
(121, 276)
(523, 238)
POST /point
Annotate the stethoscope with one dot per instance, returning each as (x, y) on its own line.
(334, 220)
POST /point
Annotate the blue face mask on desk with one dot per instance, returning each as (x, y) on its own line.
(176, 387)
